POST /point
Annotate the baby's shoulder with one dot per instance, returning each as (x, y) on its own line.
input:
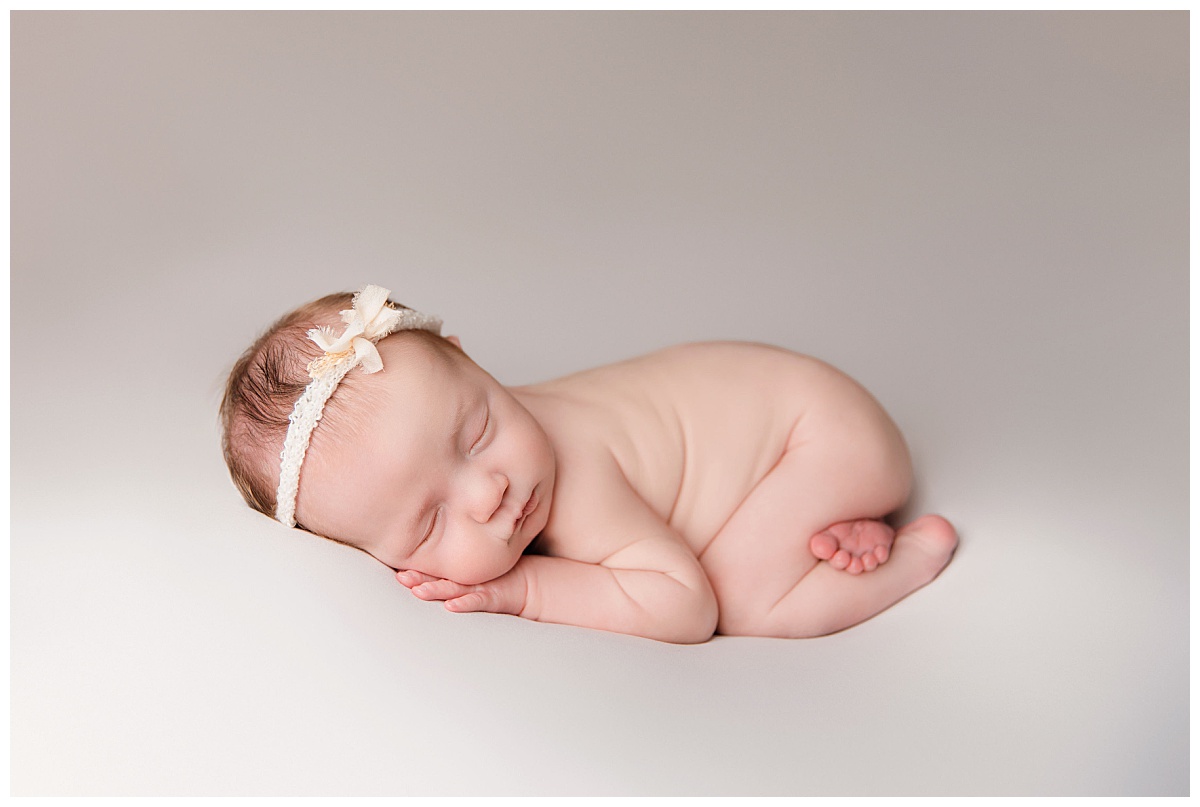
(706, 361)
(716, 370)
(656, 388)
(702, 356)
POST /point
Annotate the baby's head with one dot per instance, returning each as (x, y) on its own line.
(426, 464)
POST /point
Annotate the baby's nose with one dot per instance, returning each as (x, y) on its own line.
(489, 494)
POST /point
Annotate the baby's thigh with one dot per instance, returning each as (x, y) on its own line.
(846, 461)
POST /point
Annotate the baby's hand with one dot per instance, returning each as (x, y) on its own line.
(504, 595)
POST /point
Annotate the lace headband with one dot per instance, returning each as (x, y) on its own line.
(371, 318)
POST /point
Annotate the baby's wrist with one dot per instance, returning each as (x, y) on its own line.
(520, 582)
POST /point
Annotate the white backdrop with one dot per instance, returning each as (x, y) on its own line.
(982, 217)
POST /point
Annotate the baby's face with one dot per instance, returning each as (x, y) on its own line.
(439, 476)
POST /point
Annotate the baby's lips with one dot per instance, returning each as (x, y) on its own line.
(530, 505)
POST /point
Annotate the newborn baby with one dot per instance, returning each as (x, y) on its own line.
(719, 487)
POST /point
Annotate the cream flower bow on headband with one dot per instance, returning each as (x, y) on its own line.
(370, 318)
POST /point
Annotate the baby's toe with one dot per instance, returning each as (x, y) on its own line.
(855, 566)
(869, 562)
(823, 545)
(841, 559)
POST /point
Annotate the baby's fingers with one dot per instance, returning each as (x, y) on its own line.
(460, 598)
(475, 601)
(411, 577)
(437, 589)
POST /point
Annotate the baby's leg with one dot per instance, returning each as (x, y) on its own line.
(775, 565)
(827, 600)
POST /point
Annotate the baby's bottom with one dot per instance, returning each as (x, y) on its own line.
(805, 554)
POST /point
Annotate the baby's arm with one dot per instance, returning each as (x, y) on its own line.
(648, 584)
(670, 603)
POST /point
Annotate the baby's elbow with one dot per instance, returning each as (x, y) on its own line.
(698, 632)
(696, 620)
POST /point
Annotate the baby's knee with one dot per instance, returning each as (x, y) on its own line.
(850, 434)
(872, 467)
(895, 472)
(884, 460)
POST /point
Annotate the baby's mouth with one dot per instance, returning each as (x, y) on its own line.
(529, 507)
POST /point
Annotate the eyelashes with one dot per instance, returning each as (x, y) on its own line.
(432, 526)
(487, 425)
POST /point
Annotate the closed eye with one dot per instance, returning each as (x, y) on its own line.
(432, 527)
(487, 425)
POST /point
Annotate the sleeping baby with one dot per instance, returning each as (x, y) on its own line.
(722, 487)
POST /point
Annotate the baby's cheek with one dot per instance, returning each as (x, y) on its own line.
(473, 568)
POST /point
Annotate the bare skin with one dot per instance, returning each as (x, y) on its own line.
(714, 487)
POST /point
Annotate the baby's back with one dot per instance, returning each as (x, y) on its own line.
(693, 427)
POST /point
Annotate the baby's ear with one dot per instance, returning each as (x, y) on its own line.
(454, 341)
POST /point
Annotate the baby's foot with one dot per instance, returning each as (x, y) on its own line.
(854, 546)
